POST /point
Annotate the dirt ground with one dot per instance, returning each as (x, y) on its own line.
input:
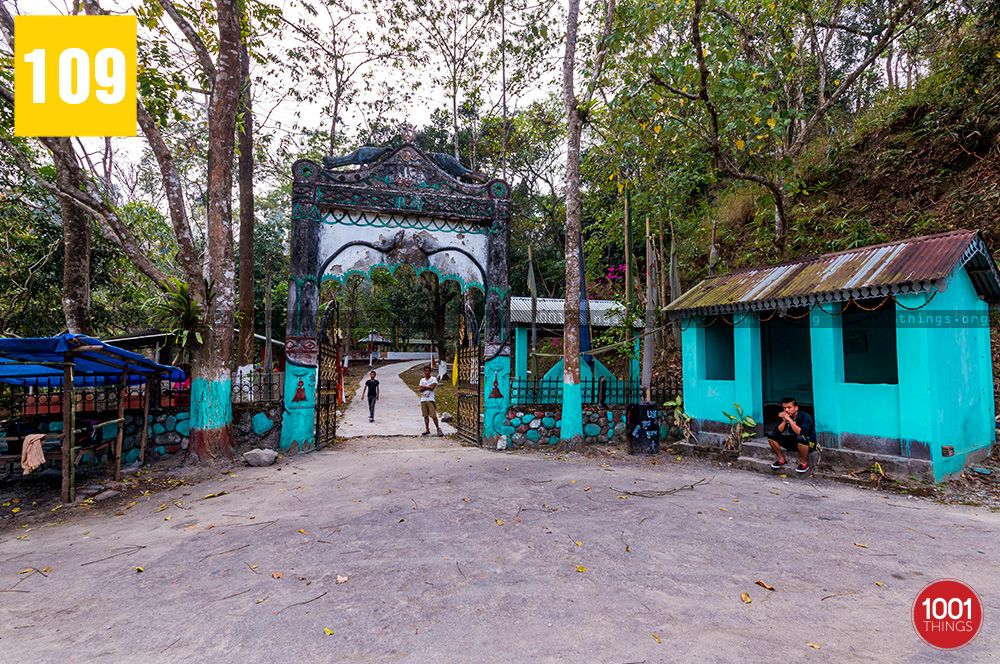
(416, 550)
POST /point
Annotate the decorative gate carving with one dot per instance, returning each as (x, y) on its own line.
(329, 376)
(383, 207)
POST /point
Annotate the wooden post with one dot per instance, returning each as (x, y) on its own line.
(68, 493)
(122, 395)
(145, 421)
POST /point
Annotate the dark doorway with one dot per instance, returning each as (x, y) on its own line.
(786, 361)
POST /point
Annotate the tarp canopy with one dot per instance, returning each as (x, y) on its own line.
(37, 361)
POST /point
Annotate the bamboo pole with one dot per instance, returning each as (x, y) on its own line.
(68, 493)
(145, 421)
(122, 394)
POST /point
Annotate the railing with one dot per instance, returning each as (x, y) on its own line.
(44, 399)
(607, 391)
(258, 387)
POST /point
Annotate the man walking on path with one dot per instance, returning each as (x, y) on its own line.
(428, 406)
(371, 387)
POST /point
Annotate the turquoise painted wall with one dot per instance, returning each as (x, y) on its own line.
(520, 353)
(496, 372)
(959, 408)
(706, 399)
(298, 427)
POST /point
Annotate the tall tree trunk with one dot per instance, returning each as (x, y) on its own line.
(211, 389)
(76, 249)
(245, 353)
(572, 407)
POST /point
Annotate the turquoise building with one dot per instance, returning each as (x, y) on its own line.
(887, 346)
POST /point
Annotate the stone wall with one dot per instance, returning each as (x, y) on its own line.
(254, 425)
(257, 425)
(601, 425)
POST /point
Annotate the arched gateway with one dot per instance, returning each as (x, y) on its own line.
(383, 207)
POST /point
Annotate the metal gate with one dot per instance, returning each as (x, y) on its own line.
(468, 419)
(329, 376)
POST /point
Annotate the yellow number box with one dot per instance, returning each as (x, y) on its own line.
(75, 76)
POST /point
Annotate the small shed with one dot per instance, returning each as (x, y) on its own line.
(888, 346)
(549, 314)
(64, 371)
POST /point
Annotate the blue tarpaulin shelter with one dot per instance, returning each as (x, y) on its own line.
(50, 362)
(40, 360)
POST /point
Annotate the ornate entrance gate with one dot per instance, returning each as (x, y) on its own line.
(383, 207)
(329, 376)
(468, 418)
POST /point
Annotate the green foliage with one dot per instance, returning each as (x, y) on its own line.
(178, 314)
(741, 428)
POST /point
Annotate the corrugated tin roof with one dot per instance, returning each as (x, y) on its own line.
(603, 313)
(915, 265)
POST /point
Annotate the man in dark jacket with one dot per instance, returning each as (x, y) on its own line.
(795, 431)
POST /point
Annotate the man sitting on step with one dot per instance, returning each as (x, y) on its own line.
(795, 431)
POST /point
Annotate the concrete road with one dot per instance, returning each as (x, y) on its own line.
(397, 412)
(455, 554)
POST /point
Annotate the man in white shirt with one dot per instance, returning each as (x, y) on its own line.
(428, 406)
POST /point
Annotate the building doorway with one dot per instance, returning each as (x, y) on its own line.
(786, 362)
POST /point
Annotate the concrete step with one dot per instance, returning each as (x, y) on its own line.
(840, 461)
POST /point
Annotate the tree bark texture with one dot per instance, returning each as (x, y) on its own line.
(76, 249)
(245, 352)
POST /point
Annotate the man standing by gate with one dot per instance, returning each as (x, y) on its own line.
(428, 406)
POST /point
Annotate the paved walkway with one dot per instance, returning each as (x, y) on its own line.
(397, 412)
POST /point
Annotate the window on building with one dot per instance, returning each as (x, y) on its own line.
(870, 343)
(720, 355)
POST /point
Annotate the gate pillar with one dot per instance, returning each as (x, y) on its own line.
(496, 383)
(301, 347)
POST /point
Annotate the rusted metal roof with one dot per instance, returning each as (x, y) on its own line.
(916, 265)
(603, 313)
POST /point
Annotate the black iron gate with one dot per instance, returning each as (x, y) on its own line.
(329, 376)
(468, 418)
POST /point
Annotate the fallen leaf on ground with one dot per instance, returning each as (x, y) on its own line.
(139, 570)
(260, 600)
(723, 509)
(328, 631)
(622, 497)
(814, 646)
(15, 510)
(162, 507)
(581, 569)
(586, 488)
(167, 518)
(572, 481)
(859, 544)
(23, 537)
(277, 575)
(764, 584)
(46, 570)
(301, 531)
(27, 571)
(879, 584)
(499, 521)
(578, 542)
(341, 579)
(656, 637)
(56, 508)
(216, 495)
(745, 597)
